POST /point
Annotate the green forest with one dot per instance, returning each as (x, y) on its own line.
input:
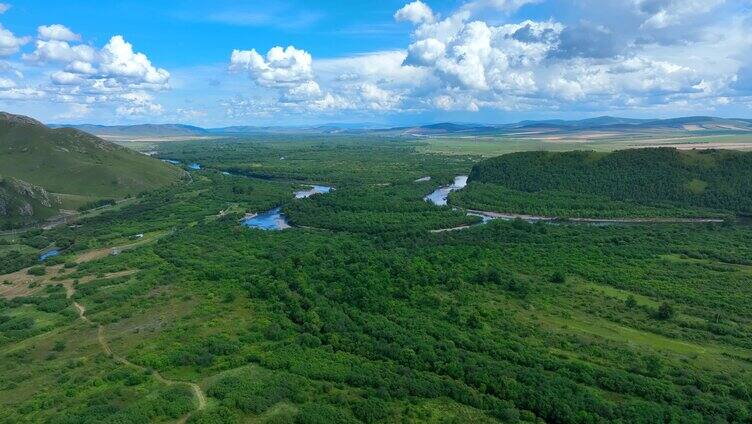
(656, 177)
(165, 308)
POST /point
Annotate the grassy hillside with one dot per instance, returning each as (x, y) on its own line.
(78, 166)
(712, 179)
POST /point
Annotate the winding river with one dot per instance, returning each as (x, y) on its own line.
(274, 219)
(315, 189)
(193, 166)
(440, 195)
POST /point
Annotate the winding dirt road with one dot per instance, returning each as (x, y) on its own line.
(488, 216)
(102, 339)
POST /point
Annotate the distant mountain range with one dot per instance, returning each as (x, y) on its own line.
(600, 124)
(141, 130)
(692, 124)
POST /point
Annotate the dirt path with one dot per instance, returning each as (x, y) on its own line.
(487, 216)
(461, 227)
(198, 393)
(647, 220)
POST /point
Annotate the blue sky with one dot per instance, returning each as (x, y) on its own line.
(392, 62)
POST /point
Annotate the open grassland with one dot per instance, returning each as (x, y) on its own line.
(494, 146)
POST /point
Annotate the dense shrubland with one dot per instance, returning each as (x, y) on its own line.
(371, 318)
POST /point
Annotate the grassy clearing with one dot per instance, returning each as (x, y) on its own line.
(705, 356)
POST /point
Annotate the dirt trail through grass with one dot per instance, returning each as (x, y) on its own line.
(70, 290)
(198, 393)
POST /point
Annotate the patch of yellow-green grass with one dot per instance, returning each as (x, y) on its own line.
(746, 269)
(33, 353)
(717, 138)
(139, 146)
(618, 293)
(495, 146)
(499, 145)
(25, 374)
(109, 208)
(22, 248)
(122, 244)
(41, 319)
(282, 412)
(144, 324)
(75, 201)
(705, 355)
(444, 410)
(697, 186)
(144, 337)
(642, 300)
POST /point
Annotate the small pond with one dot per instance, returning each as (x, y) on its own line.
(269, 220)
(50, 253)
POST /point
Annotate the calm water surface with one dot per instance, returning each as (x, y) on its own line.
(275, 219)
(46, 255)
(315, 189)
(440, 195)
(269, 220)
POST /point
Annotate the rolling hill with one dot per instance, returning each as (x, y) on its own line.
(48, 169)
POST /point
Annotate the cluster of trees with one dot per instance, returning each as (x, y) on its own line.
(708, 179)
(376, 210)
(339, 160)
(560, 204)
(407, 319)
(17, 323)
(162, 405)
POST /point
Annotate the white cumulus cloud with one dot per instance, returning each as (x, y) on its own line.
(280, 67)
(665, 13)
(48, 51)
(114, 76)
(637, 53)
(119, 60)
(416, 12)
(9, 43)
(57, 32)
